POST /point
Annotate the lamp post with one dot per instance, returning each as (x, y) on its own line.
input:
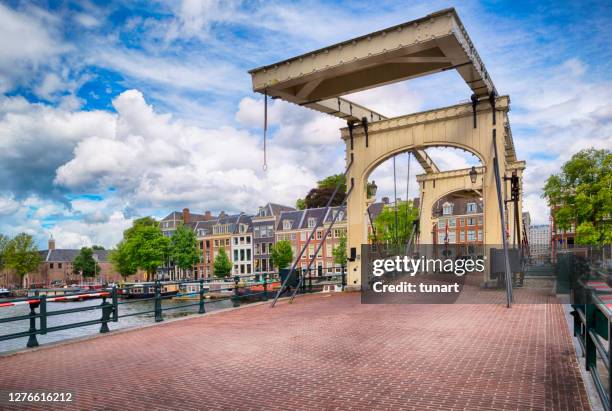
(473, 174)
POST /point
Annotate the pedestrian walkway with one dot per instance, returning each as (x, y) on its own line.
(322, 352)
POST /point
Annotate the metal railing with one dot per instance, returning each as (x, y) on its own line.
(237, 288)
(591, 297)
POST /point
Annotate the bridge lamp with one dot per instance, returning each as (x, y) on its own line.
(372, 189)
(473, 174)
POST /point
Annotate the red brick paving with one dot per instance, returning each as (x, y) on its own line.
(322, 352)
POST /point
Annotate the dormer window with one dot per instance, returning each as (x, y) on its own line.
(286, 224)
(471, 207)
(312, 222)
(447, 209)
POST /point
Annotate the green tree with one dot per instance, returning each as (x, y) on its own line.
(319, 196)
(339, 252)
(387, 231)
(222, 265)
(4, 241)
(22, 255)
(581, 194)
(184, 247)
(120, 257)
(282, 254)
(85, 263)
(147, 247)
(97, 247)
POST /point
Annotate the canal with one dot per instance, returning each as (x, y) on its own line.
(133, 306)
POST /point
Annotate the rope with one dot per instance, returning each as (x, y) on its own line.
(407, 191)
(395, 199)
(265, 136)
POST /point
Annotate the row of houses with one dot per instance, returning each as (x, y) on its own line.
(248, 239)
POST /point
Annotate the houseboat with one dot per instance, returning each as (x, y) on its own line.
(147, 290)
(4, 292)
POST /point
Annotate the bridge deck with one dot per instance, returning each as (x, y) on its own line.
(322, 352)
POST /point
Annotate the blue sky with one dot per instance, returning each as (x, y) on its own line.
(113, 110)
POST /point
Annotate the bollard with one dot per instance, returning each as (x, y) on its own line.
(32, 341)
(43, 314)
(343, 278)
(107, 309)
(236, 299)
(265, 286)
(158, 307)
(115, 304)
(201, 310)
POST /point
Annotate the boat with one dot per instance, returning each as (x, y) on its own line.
(147, 290)
(190, 291)
(4, 292)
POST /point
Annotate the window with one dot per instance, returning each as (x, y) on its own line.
(471, 207)
(480, 235)
(235, 240)
(256, 232)
(50, 265)
(292, 237)
(451, 222)
(227, 241)
(286, 224)
(248, 268)
(328, 250)
(319, 234)
(452, 237)
(447, 209)
(235, 255)
(311, 222)
(479, 220)
(311, 250)
(248, 239)
(264, 264)
(257, 248)
(442, 223)
(59, 265)
(461, 221)
(241, 255)
(471, 236)
(303, 236)
(216, 243)
(463, 235)
(471, 221)
(248, 254)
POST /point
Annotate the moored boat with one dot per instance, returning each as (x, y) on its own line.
(147, 290)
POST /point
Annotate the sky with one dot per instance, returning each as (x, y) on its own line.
(111, 111)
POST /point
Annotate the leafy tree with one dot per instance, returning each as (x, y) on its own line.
(4, 241)
(282, 254)
(184, 247)
(147, 247)
(222, 264)
(84, 263)
(120, 257)
(339, 252)
(581, 194)
(319, 196)
(21, 255)
(387, 231)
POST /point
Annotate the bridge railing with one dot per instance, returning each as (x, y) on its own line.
(591, 296)
(235, 289)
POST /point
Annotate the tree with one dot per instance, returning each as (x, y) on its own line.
(22, 255)
(339, 252)
(4, 241)
(120, 257)
(85, 264)
(319, 196)
(387, 231)
(282, 254)
(97, 247)
(581, 194)
(222, 265)
(146, 246)
(184, 247)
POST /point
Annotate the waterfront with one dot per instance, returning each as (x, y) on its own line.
(132, 307)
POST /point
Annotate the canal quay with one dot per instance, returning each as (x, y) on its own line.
(324, 351)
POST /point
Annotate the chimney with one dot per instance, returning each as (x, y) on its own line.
(385, 200)
(207, 215)
(186, 216)
(51, 243)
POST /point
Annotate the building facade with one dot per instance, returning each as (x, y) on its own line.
(264, 228)
(540, 242)
(458, 219)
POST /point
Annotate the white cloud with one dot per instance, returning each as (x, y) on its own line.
(8, 205)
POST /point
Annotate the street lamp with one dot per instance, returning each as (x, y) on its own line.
(372, 188)
(473, 174)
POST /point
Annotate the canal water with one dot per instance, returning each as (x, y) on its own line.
(132, 307)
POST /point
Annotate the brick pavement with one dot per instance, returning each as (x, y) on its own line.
(322, 352)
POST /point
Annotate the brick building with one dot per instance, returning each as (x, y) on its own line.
(264, 227)
(458, 219)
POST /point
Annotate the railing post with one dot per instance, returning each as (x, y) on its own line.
(590, 353)
(158, 308)
(32, 341)
(309, 282)
(343, 277)
(302, 283)
(236, 302)
(107, 309)
(43, 314)
(264, 277)
(115, 304)
(201, 310)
